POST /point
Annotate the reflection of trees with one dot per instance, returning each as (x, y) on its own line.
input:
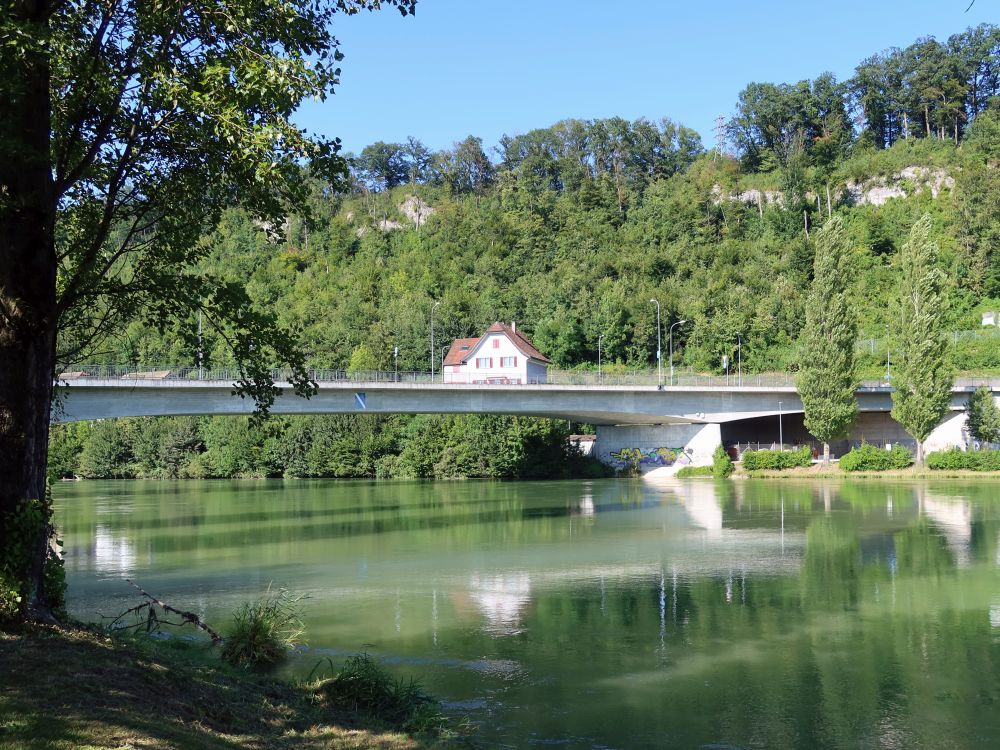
(877, 640)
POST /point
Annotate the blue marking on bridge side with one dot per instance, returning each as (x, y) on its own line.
(360, 398)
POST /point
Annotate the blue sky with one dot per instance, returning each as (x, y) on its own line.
(487, 68)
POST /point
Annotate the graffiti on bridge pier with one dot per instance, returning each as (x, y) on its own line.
(634, 458)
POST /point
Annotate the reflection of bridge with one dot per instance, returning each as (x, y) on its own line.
(633, 415)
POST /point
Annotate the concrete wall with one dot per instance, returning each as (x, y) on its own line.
(661, 448)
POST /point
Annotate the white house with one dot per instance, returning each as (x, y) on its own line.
(501, 356)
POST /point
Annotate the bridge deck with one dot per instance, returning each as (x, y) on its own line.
(87, 397)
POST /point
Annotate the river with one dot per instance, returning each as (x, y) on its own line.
(602, 614)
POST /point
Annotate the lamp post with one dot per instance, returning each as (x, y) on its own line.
(781, 434)
(739, 360)
(201, 354)
(671, 344)
(433, 308)
(599, 340)
(659, 363)
(888, 375)
(395, 360)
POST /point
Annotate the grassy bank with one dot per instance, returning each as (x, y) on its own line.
(833, 471)
(63, 688)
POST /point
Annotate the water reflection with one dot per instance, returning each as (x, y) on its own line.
(110, 553)
(604, 613)
(502, 600)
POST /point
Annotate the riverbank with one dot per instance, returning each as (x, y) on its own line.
(66, 688)
(833, 471)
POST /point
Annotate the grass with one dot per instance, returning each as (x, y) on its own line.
(73, 688)
(686, 472)
(263, 631)
(363, 687)
(833, 471)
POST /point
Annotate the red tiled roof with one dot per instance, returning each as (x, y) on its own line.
(519, 340)
(462, 348)
(459, 350)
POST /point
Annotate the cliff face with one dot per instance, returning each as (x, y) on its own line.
(871, 192)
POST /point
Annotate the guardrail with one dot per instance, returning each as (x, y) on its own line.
(636, 378)
(554, 377)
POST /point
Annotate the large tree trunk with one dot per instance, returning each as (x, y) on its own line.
(27, 289)
(920, 453)
(826, 454)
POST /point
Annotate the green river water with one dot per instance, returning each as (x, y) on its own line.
(604, 614)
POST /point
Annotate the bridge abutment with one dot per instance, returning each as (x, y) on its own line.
(657, 448)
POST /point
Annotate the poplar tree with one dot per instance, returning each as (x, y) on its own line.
(827, 376)
(924, 375)
(984, 416)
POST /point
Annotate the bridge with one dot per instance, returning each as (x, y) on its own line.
(627, 410)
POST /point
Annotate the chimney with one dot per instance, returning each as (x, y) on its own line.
(513, 326)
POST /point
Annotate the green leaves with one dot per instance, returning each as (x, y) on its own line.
(827, 376)
(984, 416)
(923, 376)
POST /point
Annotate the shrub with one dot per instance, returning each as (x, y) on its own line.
(364, 687)
(867, 457)
(263, 631)
(722, 464)
(694, 471)
(777, 460)
(955, 458)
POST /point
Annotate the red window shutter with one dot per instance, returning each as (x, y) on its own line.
(491, 362)
(496, 343)
(515, 361)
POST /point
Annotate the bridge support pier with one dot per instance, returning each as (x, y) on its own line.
(661, 448)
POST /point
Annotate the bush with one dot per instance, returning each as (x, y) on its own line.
(955, 458)
(777, 460)
(869, 457)
(364, 687)
(694, 471)
(722, 464)
(263, 631)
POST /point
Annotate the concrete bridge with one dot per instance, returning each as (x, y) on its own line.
(661, 422)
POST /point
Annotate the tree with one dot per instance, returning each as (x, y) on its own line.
(984, 416)
(923, 376)
(827, 377)
(382, 166)
(125, 129)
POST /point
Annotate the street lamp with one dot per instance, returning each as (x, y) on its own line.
(201, 353)
(659, 364)
(888, 375)
(739, 355)
(395, 359)
(781, 434)
(599, 340)
(671, 339)
(433, 308)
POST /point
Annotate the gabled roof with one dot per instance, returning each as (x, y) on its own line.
(459, 350)
(522, 342)
(462, 349)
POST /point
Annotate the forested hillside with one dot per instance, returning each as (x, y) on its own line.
(572, 229)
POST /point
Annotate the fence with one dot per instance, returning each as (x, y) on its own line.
(646, 378)
(878, 345)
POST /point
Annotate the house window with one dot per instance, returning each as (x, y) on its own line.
(484, 363)
(496, 343)
(508, 361)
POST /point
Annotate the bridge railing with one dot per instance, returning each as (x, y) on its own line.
(554, 377)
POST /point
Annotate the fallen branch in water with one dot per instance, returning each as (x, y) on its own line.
(152, 621)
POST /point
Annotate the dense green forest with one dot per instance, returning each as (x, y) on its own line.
(572, 229)
(425, 446)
